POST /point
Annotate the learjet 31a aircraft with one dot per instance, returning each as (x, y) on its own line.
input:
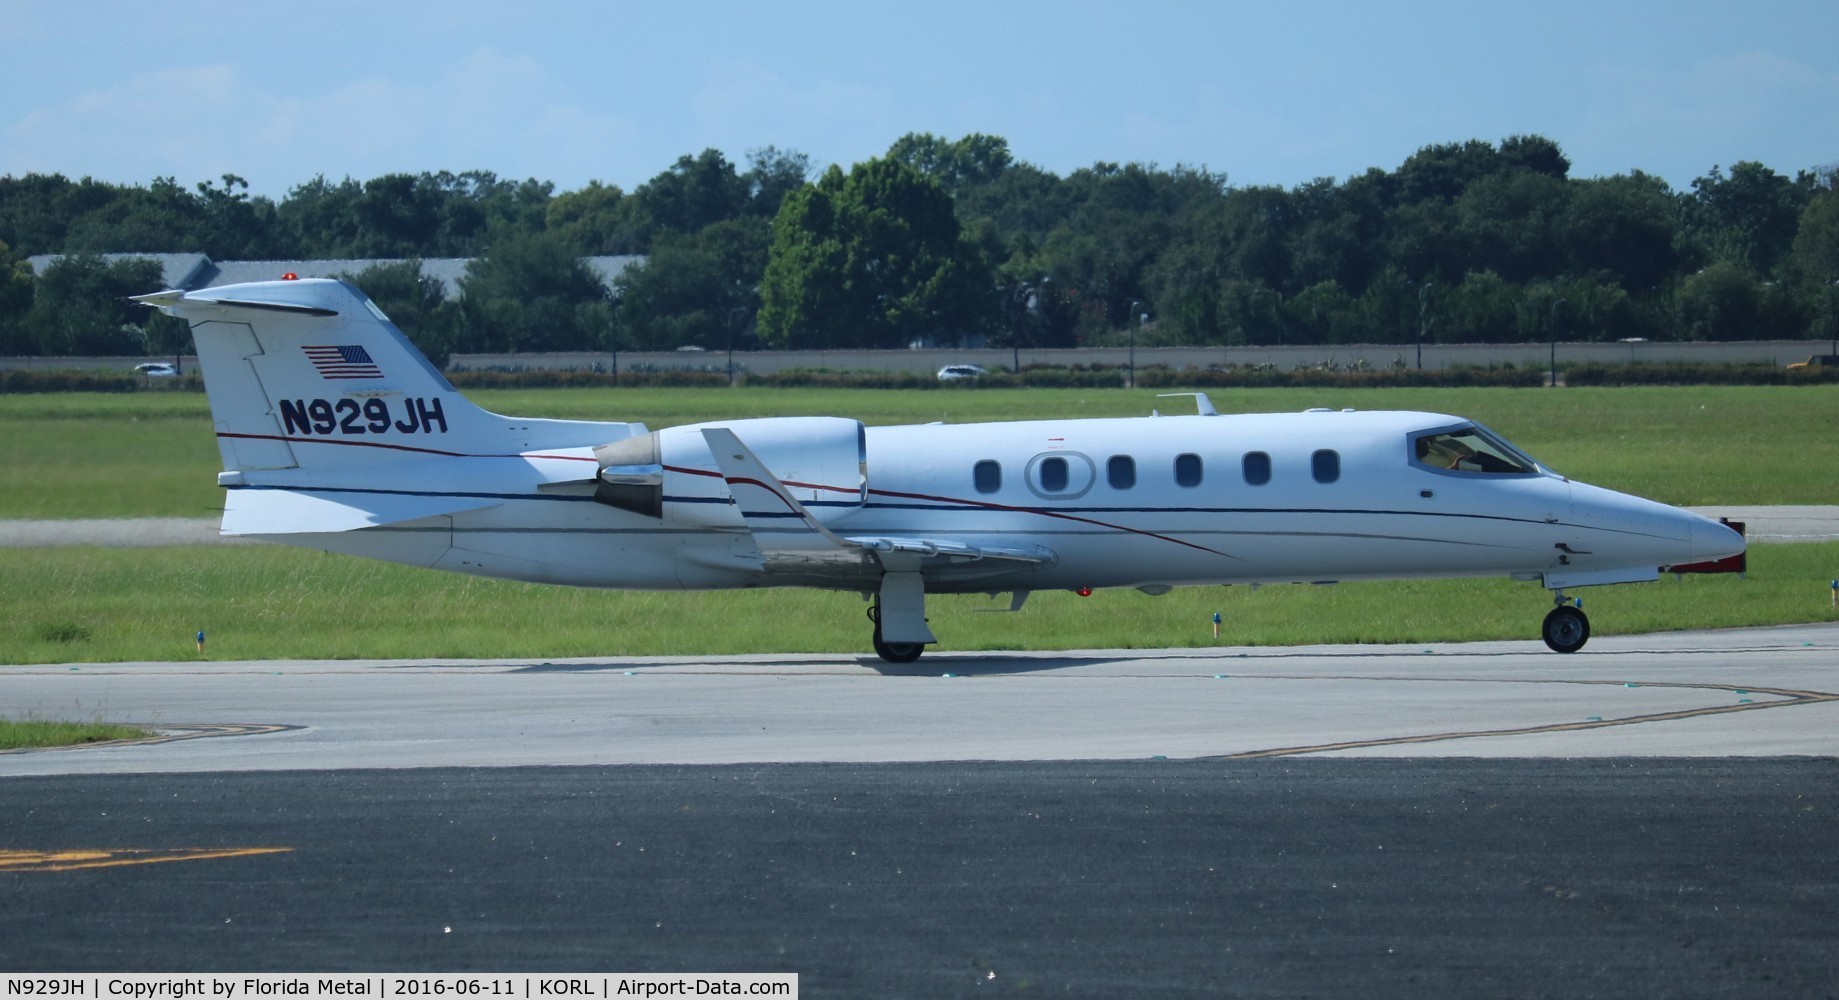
(337, 434)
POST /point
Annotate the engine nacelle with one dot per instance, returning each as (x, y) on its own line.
(670, 474)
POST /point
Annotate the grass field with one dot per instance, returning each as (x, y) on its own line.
(20, 734)
(84, 455)
(153, 454)
(89, 605)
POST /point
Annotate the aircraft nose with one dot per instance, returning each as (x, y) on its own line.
(1711, 540)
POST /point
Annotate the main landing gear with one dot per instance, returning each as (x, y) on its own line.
(1566, 628)
(893, 652)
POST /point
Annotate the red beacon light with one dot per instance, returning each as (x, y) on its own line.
(290, 276)
(1084, 592)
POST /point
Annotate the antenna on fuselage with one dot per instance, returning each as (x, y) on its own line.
(1200, 400)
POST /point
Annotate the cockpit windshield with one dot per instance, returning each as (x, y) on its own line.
(1471, 449)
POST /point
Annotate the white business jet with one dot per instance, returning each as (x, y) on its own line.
(337, 434)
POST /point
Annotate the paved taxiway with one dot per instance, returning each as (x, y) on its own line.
(1651, 816)
(1751, 692)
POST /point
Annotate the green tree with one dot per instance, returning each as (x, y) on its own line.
(319, 219)
(773, 173)
(1722, 302)
(16, 288)
(699, 289)
(976, 160)
(1443, 172)
(1622, 227)
(1748, 218)
(34, 213)
(160, 218)
(1022, 204)
(531, 293)
(1038, 313)
(400, 215)
(1484, 308)
(695, 192)
(1815, 263)
(1536, 154)
(411, 215)
(597, 218)
(231, 225)
(79, 307)
(1123, 220)
(1332, 237)
(876, 258)
(1507, 223)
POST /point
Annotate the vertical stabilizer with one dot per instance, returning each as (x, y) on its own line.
(311, 374)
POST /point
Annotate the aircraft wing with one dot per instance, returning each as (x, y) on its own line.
(786, 533)
(304, 510)
(789, 535)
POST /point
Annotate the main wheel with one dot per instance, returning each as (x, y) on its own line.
(897, 652)
(1566, 629)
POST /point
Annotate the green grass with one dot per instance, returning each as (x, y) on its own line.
(95, 455)
(22, 734)
(153, 454)
(90, 605)
(104, 455)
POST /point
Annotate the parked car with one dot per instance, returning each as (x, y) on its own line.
(1817, 361)
(156, 369)
(951, 373)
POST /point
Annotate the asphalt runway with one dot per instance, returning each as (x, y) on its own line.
(1652, 816)
(1285, 877)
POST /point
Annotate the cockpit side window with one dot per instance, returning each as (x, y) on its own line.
(1470, 449)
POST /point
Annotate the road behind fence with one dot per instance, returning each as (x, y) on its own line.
(1435, 356)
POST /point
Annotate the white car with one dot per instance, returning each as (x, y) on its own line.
(951, 373)
(156, 369)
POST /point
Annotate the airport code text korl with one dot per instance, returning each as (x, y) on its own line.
(144, 986)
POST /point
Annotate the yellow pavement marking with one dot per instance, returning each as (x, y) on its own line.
(64, 861)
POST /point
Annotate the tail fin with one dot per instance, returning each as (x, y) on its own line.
(310, 373)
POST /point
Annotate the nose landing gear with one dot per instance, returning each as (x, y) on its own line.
(1566, 628)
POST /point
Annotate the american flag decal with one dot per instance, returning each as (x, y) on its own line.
(347, 361)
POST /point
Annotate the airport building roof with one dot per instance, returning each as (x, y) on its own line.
(193, 271)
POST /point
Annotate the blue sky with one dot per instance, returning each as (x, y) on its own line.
(1266, 93)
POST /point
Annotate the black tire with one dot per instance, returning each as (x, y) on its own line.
(897, 652)
(1566, 629)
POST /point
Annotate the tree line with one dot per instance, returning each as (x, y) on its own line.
(943, 240)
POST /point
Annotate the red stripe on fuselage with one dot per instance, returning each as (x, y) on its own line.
(1043, 512)
(984, 504)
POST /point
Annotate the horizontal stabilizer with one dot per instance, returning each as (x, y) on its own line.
(307, 511)
(167, 301)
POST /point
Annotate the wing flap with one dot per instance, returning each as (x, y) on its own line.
(952, 549)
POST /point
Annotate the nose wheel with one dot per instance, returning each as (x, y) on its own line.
(1566, 628)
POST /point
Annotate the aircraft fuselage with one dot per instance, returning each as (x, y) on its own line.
(1139, 502)
(336, 433)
